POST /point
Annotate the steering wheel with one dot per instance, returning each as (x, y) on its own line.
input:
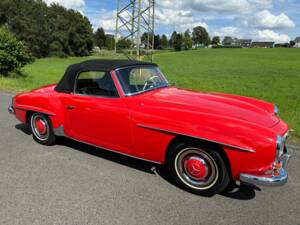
(147, 82)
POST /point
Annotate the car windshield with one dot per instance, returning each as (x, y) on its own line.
(136, 80)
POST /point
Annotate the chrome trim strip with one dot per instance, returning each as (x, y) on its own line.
(276, 110)
(270, 181)
(172, 132)
(107, 149)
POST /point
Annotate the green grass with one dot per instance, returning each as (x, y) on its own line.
(268, 74)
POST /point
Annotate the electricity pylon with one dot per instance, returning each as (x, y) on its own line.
(135, 18)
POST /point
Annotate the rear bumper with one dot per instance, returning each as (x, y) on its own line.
(278, 177)
(11, 110)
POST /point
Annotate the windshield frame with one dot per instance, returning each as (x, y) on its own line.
(117, 74)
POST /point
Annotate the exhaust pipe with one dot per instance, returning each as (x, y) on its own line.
(11, 110)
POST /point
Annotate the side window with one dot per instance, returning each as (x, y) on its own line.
(96, 83)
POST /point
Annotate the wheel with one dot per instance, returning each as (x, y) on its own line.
(199, 169)
(41, 128)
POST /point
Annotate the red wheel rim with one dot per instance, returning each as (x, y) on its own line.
(40, 126)
(196, 168)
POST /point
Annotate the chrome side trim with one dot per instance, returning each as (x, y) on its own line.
(276, 110)
(59, 131)
(204, 139)
(131, 156)
(270, 181)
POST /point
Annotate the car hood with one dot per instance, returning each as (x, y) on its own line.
(230, 106)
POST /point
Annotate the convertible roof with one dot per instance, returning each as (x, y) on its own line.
(66, 84)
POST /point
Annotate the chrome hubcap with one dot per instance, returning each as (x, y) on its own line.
(40, 127)
(196, 168)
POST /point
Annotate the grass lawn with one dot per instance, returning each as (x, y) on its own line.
(268, 74)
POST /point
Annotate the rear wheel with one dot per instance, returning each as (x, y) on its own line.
(199, 169)
(41, 128)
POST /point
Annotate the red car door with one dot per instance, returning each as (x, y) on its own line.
(97, 115)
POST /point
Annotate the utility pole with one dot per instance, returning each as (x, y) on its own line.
(135, 18)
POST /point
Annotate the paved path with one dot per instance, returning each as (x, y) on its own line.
(72, 183)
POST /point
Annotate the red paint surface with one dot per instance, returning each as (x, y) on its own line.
(119, 124)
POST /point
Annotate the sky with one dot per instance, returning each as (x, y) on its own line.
(259, 20)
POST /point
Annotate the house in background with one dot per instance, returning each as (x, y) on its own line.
(297, 42)
(245, 43)
(262, 44)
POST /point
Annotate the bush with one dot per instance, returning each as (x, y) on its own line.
(13, 54)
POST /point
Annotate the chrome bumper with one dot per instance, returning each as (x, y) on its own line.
(11, 110)
(278, 178)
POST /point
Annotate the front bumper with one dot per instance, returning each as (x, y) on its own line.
(11, 110)
(278, 177)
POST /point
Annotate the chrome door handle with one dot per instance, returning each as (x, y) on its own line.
(71, 107)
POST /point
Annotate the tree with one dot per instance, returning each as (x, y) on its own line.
(187, 40)
(47, 30)
(292, 44)
(157, 42)
(177, 44)
(227, 41)
(146, 37)
(164, 41)
(110, 42)
(187, 33)
(99, 37)
(216, 40)
(13, 53)
(124, 44)
(172, 39)
(200, 36)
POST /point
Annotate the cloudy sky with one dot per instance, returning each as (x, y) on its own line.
(265, 20)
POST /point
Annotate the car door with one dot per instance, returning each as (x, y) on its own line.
(96, 114)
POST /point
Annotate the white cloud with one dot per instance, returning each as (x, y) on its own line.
(179, 20)
(105, 19)
(269, 35)
(228, 31)
(236, 6)
(265, 19)
(74, 4)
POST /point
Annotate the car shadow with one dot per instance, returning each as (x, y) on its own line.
(137, 164)
(24, 128)
(238, 192)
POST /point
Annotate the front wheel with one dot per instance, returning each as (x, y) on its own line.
(41, 128)
(198, 169)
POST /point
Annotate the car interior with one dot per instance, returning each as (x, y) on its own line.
(96, 84)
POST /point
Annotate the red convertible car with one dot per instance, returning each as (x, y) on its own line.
(206, 140)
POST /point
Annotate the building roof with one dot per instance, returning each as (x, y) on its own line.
(297, 39)
(263, 43)
(67, 82)
(245, 41)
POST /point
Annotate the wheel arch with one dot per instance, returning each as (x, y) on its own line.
(199, 142)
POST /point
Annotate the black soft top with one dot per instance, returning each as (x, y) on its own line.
(66, 84)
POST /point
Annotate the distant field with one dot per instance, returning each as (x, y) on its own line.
(269, 74)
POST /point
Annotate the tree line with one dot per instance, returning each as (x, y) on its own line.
(177, 41)
(47, 30)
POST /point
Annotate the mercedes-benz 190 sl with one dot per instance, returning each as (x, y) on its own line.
(206, 140)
